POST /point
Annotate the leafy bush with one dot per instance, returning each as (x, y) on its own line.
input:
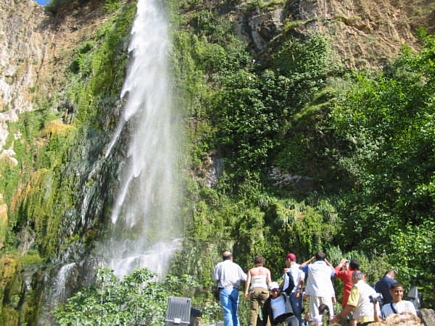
(384, 131)
(138, 299)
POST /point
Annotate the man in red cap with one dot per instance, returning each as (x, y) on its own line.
(293, 284)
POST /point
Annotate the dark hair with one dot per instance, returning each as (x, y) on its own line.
(389, 271)
(259, 260)
(354, 264)
(396, 285)
(320, 256)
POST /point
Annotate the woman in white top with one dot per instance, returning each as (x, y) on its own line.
(256, 288)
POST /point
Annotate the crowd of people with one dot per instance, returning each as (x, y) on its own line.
(282, 303)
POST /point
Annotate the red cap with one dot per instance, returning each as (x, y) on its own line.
(291, 257)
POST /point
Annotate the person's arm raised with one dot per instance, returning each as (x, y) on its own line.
(307, 262)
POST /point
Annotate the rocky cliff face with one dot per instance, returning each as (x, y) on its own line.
(36, 46)
(33, 43)
(364, 33)
(24, 47)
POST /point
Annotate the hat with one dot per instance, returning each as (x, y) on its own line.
(273, 286)
(291, 257)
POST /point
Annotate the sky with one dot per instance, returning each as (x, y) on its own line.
(42, 2)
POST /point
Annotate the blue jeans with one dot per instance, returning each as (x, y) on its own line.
(297, 306)
(229, 298)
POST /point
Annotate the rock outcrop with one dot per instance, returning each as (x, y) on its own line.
(427, 316)
(365, 33)
(24, 44)
(33, 43)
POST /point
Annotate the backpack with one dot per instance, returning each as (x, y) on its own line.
(414, 296)
(291, 284)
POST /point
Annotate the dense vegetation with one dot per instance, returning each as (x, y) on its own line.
(357, 147)
(362, 140)
(127, 302)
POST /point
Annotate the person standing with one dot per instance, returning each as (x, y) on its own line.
(256, 288)
(228, 276)
(319, 284)
(359, 302)
(383, 286)
(344, 271)
(293, 285)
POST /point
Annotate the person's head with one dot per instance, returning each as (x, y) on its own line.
(274, 289)
(290, 259)
(354, 265)
(390, 273)
(396, 291)
(259, 261)
(323, 308)
(357, 276)
(320, 255)
(227, 255)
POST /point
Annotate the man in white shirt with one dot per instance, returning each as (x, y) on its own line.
(228, 276)
(319, 284)
(294, 277)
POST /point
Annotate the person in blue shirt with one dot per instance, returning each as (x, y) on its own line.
(384, 284)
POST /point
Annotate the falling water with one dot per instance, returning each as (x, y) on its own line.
(145, 227)
(60, 283)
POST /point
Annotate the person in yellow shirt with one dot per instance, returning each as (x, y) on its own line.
(359, 301)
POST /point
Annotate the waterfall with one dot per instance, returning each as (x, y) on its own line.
(60, 283)
(145, 227)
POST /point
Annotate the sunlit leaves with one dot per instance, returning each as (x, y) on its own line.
(138, 299)
(385, 129)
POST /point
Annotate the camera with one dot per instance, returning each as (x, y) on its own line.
(376, 298)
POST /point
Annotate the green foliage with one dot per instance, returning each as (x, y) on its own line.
(309, 67)
(43, 188)
(387, 125)
(257, 112)
(113, 5)
(138, 299)
(307, 64)
(385, 133)
(413, 243)
(98, 65)
(368, 147)
(248, 125)
(366, 140)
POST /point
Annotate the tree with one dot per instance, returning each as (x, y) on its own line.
(385, 130)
